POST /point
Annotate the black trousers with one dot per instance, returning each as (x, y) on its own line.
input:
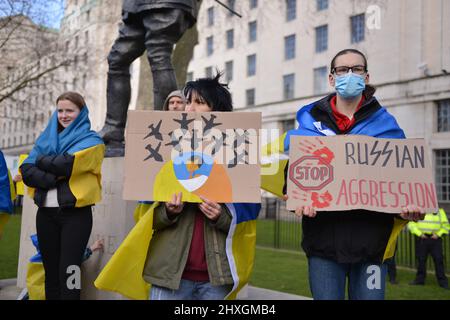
(392, 268)
(424, 247)
(63, 235)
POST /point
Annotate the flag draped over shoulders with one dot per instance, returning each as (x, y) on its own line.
(6, 187)
(123, 272)
(380, 124)
(76, 137)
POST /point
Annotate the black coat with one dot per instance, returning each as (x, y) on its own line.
(47, 173)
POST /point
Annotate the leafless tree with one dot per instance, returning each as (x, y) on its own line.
(28, 47)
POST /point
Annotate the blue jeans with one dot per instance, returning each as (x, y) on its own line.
(191, 290)
(327, 280)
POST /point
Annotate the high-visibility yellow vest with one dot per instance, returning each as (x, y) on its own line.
(433, 223)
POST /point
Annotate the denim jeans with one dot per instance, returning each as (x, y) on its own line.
(191, 290)
(327, 280)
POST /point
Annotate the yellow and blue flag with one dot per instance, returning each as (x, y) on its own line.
(380, 124)
(123, 272)
(7, 193)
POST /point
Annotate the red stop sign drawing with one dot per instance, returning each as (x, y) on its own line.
(311, 173)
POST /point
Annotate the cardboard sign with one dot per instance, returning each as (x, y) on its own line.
(360, 172)
(212, 155)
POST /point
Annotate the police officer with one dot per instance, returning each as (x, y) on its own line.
(429, 233)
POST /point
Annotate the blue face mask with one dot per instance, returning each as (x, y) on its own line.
(350, 85)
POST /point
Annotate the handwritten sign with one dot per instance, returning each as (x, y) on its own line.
(360, 172)
(212, 155)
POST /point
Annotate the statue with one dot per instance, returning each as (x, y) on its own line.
(155, 25)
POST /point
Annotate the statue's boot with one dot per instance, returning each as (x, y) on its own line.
(118, 98)
(164, 82)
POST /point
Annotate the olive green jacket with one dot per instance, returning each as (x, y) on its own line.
(169, 248)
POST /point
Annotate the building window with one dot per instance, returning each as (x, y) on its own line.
(231, 5)
(288, 86)
(443, 116)
(88, 15)
(322, 5)
(252, 34)
(229, 70)
(288, 125)
(251, 65)
(209, 45)
(84, 83)
(358, 28)
(250, 97)
(208, 72)
(230, 39)
(190, 76)
(443, 174)
(320, 80)
(210, 16)
(253, 4)
(322, 38)
(291, 9)
(289, 47)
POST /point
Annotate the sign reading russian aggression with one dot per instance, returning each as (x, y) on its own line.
(360, 172)
(212, 155)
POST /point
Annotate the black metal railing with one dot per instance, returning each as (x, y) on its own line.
(281, 229)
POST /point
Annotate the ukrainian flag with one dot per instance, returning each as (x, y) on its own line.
(273, 165)
(7, 193)
(36, 274)
(123, 272)
(20, 186)
(275, 157)
(87, 148)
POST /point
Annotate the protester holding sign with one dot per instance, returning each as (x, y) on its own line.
(64, 170)
(198, 243)
(349, 244)
(187, 256)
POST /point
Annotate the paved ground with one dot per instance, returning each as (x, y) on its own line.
(9, 291)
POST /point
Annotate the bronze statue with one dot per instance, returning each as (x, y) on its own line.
(155, 25)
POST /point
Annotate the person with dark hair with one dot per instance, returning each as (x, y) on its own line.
(154, 26)
(208, 94)
(349, 245)
(187, 257)
(64, 172)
